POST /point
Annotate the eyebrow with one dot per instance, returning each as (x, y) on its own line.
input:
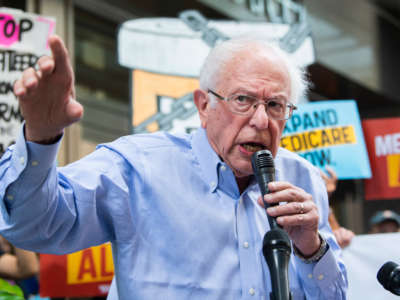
(244, 92)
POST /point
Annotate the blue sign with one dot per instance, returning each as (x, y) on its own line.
(329, 133)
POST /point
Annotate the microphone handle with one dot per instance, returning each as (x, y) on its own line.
(263, 179)
(276, 250)
(279, 279)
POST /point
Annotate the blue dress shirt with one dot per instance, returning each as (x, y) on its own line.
(172, 210)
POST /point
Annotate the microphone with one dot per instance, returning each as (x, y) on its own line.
(389, 277)
(276, 243)
(264, 171)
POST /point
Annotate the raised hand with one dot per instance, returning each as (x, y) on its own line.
(47, 95)
(330, 180)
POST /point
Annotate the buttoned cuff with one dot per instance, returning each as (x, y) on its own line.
(321, 273)
(30, 162)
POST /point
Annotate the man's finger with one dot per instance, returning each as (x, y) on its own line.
(74, 110)
(60, 55)
(46, 65)
(276, 186)
(30, 79)
(19, 89)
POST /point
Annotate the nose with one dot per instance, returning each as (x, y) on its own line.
(260, 118)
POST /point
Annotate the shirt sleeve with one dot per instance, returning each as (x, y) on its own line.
(325, 279)
(45, 208)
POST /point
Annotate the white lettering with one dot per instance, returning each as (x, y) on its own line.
(387, 144)
(396, 142)
(104, 288)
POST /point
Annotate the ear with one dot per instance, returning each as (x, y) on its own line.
(203, 106)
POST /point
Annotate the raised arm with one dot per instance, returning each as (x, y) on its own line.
(47, 95)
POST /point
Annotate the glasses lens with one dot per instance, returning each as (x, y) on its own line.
(241, 104)
(277, 109)
(245, 105)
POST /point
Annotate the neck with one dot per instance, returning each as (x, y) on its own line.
(243, 183)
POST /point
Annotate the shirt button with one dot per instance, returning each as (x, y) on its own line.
(246, 245)
(22, 160)
(223, 168)
(35, 163)
(309, 276)
(252, 291)
(10, 197)
(320, 277)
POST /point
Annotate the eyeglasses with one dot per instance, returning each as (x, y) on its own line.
(245, 105)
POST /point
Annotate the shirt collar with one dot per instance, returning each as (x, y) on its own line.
(207, 158)
(210, 163)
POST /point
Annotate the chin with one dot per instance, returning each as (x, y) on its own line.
(243, 171)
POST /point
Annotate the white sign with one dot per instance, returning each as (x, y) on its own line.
(365, 255)
(23, 39)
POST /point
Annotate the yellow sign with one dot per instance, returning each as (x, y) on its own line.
(147, 87)
(393, 167)
(320, 138)
(90, 265)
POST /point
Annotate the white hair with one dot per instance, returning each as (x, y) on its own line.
(222, 54)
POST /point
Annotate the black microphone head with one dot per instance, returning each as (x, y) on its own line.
(389, 277)
(276, 238)
(262, 159)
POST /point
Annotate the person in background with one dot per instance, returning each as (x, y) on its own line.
(384, 221)
(17, 265)
(343, 235)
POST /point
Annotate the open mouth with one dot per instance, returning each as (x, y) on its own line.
(253, 147)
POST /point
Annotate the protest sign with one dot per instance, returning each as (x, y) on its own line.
(382, 137)
(328, 133)
(23, 39)
(363, 259)
(84, 273)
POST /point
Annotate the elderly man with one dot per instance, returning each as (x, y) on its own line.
(183, 213)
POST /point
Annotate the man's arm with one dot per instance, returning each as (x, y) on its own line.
(41, 209)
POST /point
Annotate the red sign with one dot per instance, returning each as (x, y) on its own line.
(382, 137)
(86, 273)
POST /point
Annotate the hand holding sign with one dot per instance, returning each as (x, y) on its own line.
(46, 96)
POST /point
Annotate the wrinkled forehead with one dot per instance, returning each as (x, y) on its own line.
(254, 65)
